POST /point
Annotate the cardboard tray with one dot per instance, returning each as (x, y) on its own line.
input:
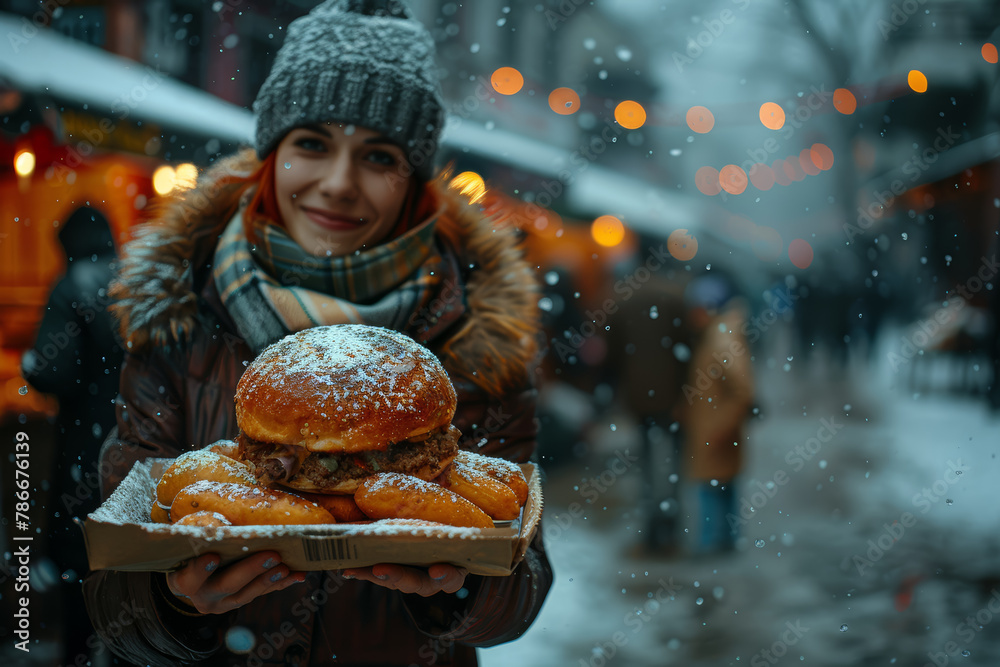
(120, 536)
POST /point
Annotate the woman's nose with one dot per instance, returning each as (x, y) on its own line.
(338, 178)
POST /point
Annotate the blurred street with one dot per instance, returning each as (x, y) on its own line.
(802, 586)
(768, 224)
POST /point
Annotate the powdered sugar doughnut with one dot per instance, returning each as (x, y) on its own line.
(201, 464)
(393, 495)
(247, 505)
(502, 470)
(490, 495)
(204, 519)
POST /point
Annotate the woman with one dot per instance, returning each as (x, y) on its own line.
(334, 220)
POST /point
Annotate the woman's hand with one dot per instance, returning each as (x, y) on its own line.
(437, 578)
(213, 591)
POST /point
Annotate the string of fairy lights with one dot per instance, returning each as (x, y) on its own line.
(733, 179)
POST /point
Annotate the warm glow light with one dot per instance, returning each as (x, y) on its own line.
(706, 180)
(608, 231)
(187, 176)
(24, 163)
(806, 162)
(164, 179)
(564, 101)
(630, 115)
(733, 179)
(990, 52)
(844, 101)
(470, 184)
(821, 156)
(917, 81)
(700, 120)
(681, 245)
(772, 116)
(801, 253)
(761, 176)
(507, 81)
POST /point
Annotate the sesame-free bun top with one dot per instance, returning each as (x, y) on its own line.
(344, 388)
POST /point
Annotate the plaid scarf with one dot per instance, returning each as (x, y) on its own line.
(275, 288)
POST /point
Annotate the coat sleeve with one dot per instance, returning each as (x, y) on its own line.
(150, 418)
(497, 609)
(133, 611)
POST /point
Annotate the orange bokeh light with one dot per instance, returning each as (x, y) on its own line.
(733, 179)
(793, 170)
(630, 115)
(761, 176)
(700, 120)
(607, 230)
(917, 81)
(989, 52)
(564, 101)
(772, 116)
(681, 245)
(806, 162)
(821, 156)
(507, 80)
(801, 253)
(844, 101)
(707, 181)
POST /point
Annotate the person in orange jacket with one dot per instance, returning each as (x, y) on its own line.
(717, 400)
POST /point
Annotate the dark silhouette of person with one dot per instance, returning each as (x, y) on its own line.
(645, 358)
(76, 358)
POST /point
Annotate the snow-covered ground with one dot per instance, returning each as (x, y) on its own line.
(879, 546)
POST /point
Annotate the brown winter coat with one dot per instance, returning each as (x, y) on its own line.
(717, 399)
(177, 390)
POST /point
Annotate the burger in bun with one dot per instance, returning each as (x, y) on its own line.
(323, 409)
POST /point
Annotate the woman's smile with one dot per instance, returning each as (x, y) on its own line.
(333, 221)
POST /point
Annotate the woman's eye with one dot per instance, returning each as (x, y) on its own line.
(310, 144)
(383, 158)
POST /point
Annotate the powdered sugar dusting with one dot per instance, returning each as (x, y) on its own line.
(491, 465)
(400, 481)
(364, 359)
(132, 501)
(201, 458)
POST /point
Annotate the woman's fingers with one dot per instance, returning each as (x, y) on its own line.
(215, 592)
(449, 577)
(190, 578)
(439, 578)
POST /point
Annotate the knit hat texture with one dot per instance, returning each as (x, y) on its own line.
(364, 62)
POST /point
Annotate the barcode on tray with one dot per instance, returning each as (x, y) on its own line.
(331, 549)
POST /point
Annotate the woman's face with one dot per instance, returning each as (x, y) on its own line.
(339, 187)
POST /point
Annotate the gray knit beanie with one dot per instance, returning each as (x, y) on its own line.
(364, 62)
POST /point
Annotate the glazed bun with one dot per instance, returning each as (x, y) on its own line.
(344, 389)
(324, 409)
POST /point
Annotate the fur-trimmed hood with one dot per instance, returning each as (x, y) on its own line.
(155, 294)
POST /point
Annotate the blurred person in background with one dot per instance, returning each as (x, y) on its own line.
(716, 402)
(335, 218)
(76, 358)
(647, 346)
